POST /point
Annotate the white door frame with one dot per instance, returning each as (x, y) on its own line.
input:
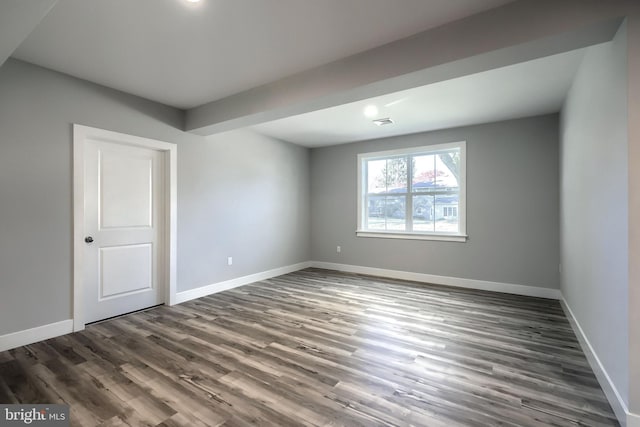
(80, 135)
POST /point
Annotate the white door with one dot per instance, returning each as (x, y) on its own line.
(124, 222)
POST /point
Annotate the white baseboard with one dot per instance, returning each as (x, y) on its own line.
(532, 291)
(394, 274)
(40, 333)
(239, 281)
(611, 392)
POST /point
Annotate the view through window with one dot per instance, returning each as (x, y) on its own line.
(413, 191)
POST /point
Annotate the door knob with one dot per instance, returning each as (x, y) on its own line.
(88, 239)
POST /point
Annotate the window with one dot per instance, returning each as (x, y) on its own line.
(450, 211)
(416, 193)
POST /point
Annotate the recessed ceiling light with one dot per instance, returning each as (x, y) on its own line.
(193, 1)
(370, 111)
(382, 122)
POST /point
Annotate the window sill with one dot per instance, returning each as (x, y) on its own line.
(413, 236)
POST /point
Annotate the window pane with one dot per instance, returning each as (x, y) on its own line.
(448, 169)
(423, 213)
(395, 213)
(386, 212)
(446, 213)
(377, 182)
(424, 173)
(396, 173)
(375, 213)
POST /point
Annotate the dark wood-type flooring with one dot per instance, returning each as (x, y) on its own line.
(319, 348)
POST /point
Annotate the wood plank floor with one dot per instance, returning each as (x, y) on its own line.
(320, 348)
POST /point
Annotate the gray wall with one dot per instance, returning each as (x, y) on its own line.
(225, 186)
(633, 126)
(512, 206)
(594, 205)
(242, 195)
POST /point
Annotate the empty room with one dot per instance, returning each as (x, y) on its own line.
(320, 213)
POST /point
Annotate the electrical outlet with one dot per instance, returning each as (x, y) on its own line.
(230, 260)
(338, 249)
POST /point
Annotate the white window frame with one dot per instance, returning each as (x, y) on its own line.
(460, 236)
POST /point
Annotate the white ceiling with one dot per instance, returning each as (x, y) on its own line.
(185, 54)
(17, 20)
(188, 54)
(525, 89)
